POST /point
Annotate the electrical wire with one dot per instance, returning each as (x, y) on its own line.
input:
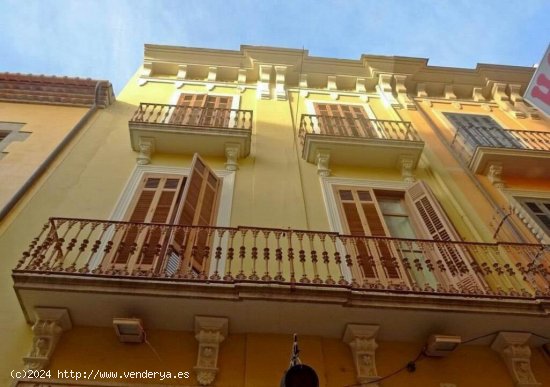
(411, 365)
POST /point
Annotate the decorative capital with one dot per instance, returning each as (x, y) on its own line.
(232, 153)
(49, 324)
(406, 164)
(362, 342)
(514, 349)
(323, 160)
(494, 174)
(210, 332)
(146, 149)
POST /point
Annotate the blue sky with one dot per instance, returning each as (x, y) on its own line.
(104, 39)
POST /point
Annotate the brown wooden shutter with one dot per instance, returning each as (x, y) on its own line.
(342, 120)
(216, 111)
(198, 207)
(188, 110)
(155, 203)
(430, 220)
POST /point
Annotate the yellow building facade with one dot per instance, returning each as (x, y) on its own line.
(386, 211)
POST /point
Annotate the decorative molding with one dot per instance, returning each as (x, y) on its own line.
(303, 85)
(280, 90)
(146, 150)
(421, 90)
(406, 164)
(232, 153)
(448, 92)
(331, 86)
(385, 91)
(361, 85)
(520, 103)
(457, 105)
(514, 349)
(180, 77)
(362, 342)
(211, 78)
(241, 79)
(146, 72)
(49, 324)
(401, 91)
(210, 332)
(503, 101)
(263, 88)
(494, 174)
(523, 215)
(477, 94)
(323, 160)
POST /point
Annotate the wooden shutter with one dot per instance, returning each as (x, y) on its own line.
(343, 120)
(198, 208)
(188, 110)
(155, 202)
(363, 218)
(431, 221)
(216, 111)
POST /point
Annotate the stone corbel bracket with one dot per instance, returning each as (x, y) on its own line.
(385, 90)
(494, 174)
(264, 78)
(280, 90)
(50, 323)
(181, 76)
(514, 349)
(303, 85)
(401, 91)
(362, 342)
(241, 79)
(323, 161)
(146, 71)
(146, 149)
(503, 101)
(361, 87)
(211, 78)
(232, 153)
(520, 103)
(210, 332)
(406, 165)
(332, 87)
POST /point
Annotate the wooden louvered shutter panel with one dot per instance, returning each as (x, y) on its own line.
(431, 220)
(162, 214)
(198, 207)
(376, 226)
(355, 227)
(216, 111)
(188, 109)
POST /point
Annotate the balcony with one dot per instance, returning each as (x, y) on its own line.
(167, 274)
(519, 152)
(186, 130)
(359, 141)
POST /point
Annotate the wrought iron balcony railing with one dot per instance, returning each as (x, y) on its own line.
(357, 127)
(98, 248)
(162, 114)
(467, 140)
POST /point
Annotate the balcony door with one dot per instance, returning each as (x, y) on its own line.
(344, 120)
(481, 130)
(398, 219)
(169, 199)
(202, 110)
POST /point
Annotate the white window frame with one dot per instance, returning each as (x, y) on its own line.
(331, 203)
(223, 218)
(511, 194)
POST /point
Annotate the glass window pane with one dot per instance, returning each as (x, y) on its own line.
(400, 227)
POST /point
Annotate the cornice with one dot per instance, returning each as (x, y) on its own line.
(53, 90)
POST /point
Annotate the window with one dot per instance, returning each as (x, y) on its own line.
(344, 120)
(202, 110)
(481, 130)
(539, 210)
(170, 199)
(409, 214)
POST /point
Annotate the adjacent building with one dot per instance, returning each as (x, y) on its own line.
(384, 210)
